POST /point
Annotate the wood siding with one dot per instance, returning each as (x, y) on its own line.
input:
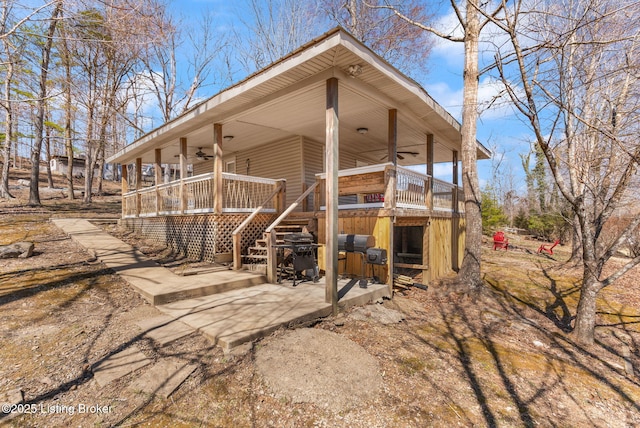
(282, 159)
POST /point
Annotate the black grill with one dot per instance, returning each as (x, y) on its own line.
(297, 255)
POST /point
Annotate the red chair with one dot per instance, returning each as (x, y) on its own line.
(548, 248)
(500, 241)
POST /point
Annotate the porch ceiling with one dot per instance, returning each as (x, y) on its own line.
(288, 99)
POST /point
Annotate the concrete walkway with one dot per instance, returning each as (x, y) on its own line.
(229, 307)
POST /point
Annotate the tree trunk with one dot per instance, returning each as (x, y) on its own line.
(584, 330)
(68, 135)
(88, 173)
(48, 153)
(4, 183)
(34, 191)
(576, 243)
(469, 274)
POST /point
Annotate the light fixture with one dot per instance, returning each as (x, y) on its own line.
(363, 130)
(354, 70)
(227, 137)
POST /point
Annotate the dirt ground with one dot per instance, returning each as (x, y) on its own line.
(505, 358)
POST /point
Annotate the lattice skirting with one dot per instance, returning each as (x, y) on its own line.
(199, 237)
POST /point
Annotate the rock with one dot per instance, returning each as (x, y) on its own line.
(377, 313)
(23, 182)
(18, 250)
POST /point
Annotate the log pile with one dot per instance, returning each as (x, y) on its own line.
(404, 282)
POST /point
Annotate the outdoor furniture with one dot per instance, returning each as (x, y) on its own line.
(500, 241)
(548, 248)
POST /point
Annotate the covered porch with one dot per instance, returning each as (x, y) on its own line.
(328, 133)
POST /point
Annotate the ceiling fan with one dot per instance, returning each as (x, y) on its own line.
(400, 153)
(200, 155)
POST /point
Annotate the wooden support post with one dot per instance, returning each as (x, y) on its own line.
(305, 201)
(455, 218)
(392, 140)
(272, 258)
(317, 195)
(237, 253)
(392, 145)
(454, 196)
(426, 253)
(157, 169)
(429, 198)
(183, 174)
(392, 153)
(125, 186)
(281, 199)
(332, 144)
(138, 185)
(217, 168)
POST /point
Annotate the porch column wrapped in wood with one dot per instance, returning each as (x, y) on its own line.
(392, 155)
(217, 168)
(332, 143)
(429, 198)
(125, 185)
(138, 186)
(157, 169)
(183, 174)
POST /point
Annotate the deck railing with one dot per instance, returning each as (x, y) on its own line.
(411, 189)
(193, 195)
(442, 195)
(363, 187)
(368, 187)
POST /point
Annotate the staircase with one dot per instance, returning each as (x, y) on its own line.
(256, 259)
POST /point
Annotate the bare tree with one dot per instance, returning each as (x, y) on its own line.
(398, 41)
(273, 29)
(34, 193)
(6, 102)
(468, 277)
(572, 70)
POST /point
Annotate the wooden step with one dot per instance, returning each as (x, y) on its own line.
(289, 226)
(255, 257)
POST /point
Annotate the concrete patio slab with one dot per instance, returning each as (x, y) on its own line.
(119, 365)
(164, 377)
(233, 318)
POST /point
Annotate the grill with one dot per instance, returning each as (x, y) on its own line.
(355, 243)
(363, 245)
(297, 255)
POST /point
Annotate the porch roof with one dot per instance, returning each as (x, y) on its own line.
(287, 98)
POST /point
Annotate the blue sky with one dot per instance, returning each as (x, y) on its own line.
(498, 128)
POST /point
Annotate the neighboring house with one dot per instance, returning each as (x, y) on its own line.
(60, 165)
(279, 137)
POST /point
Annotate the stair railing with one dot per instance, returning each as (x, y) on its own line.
(237, 234)
(272, 257)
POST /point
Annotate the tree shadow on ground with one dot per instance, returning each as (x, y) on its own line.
(480, 337)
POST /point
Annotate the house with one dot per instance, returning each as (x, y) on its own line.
(60, 165)
(326, 136)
